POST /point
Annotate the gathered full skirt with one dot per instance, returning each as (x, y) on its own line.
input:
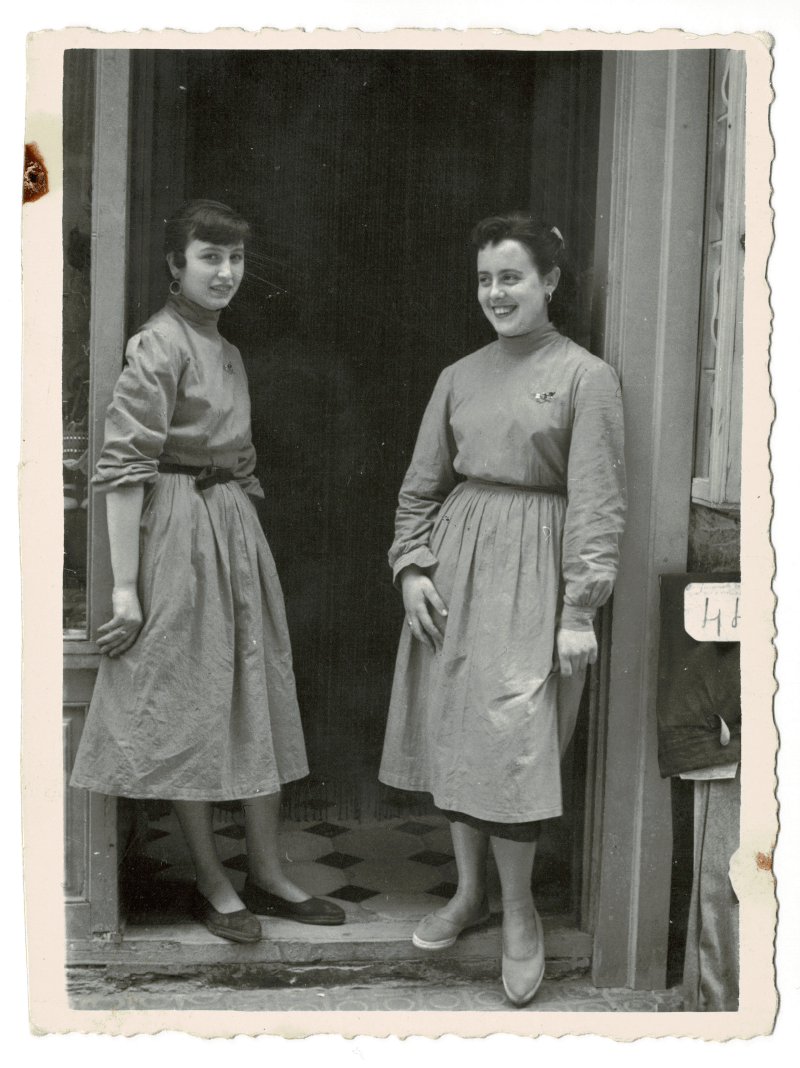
(203, 706)
(477, 724)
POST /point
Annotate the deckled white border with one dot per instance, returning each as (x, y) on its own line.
(733, 12)
(40, 483)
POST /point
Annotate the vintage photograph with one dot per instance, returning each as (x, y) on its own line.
(402, 422)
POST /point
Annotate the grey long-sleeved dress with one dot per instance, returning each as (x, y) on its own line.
(203, 706)
(527, 537)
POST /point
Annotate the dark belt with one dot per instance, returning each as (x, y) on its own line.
(204, 477)
(558, 491)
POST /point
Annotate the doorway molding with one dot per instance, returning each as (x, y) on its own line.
(646, 306)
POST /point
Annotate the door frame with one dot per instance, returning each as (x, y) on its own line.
(90, 819)
(650, 210)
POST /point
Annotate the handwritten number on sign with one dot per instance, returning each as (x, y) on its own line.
(711, 611)
(717, 618)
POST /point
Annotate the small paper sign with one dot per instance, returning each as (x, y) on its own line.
(711, 611)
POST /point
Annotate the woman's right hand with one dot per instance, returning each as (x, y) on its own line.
(118, 635)
(418, 594)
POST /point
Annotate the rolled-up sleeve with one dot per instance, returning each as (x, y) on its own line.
(244, 472)
(429, 479)
(140, 412)
(596, 497)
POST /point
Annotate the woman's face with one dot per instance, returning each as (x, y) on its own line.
(212, 273)
(511, 291)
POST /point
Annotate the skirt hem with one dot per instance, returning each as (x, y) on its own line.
(170, 794)
(453, 804)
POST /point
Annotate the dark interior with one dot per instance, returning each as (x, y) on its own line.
(362, 174)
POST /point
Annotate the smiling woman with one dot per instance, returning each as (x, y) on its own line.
(210, 274)
(501, 573)
(195, 698)
(204, 249)
(512, 293)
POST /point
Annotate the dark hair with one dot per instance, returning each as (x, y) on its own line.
(203, 220)
(546, 248)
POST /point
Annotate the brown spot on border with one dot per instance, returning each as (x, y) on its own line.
(764, 861)
(34, 176)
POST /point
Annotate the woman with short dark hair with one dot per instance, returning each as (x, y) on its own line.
(195, 698)
(506, 543)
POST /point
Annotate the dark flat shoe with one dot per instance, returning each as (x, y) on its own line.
(315, 910)
(239, 926)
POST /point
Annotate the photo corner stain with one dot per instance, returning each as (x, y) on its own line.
(34, 176)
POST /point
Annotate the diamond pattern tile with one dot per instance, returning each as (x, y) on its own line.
(339, 860)
(432, 857)
(297, 845)
(412, 827)
(394, 905)
(361, 862)
(447, 890)
(237, 863)
(233, 830)
(393, 878)
(376, 844)
(328, 830)
(441, 839)
(355, 894)
(318, 879)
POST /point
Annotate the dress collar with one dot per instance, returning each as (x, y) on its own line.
(526, 344)
(191, 311)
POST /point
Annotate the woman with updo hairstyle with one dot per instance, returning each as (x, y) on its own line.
(506, 544)
(195, 698)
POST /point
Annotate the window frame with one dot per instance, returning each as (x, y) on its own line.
(722, 297)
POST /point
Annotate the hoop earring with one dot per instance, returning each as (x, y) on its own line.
(175, 292)
(548, 296)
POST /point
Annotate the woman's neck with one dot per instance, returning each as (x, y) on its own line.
(525, 344)
(192, 311)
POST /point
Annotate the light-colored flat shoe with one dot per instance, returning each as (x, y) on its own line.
(436, 932)
(522, 978)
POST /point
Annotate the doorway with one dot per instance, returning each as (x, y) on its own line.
(362, 173)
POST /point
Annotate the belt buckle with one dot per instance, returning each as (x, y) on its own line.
(207, 478)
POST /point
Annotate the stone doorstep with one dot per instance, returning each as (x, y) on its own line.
(380, 948)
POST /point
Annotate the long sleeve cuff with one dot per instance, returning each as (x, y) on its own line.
(421, 556)
(251, 486)
(110, 477)
(574, 617)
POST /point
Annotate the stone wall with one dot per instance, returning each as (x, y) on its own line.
(714, 540)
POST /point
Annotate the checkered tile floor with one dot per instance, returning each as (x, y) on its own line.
(390, 868)
(389, 860)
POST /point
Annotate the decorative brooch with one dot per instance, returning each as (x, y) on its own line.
(543, 397)
(229, 367)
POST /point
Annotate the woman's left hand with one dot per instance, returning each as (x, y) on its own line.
(576, 649)
(118, 635)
